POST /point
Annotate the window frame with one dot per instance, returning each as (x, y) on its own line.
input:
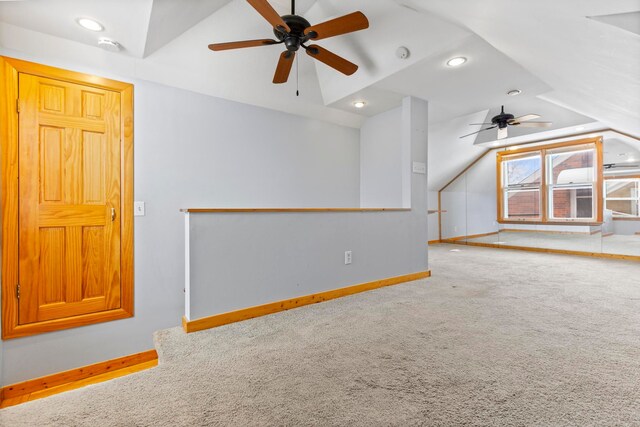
(546, 189)
(521, 187)
(551, 186)
(633, 178)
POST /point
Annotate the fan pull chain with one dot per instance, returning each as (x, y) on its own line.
(297, 77)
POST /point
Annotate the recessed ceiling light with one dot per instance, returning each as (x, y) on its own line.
(458, 60)
(359, 104)
(90, 24)
(514, 92)
(579, 128)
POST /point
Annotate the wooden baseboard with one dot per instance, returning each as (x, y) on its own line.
(275, 307)
(472, 236)
(75, 378)
(433, 242)
(550, 251)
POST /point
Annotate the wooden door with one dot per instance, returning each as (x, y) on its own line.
(69, 199)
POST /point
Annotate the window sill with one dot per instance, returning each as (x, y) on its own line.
(577, 223)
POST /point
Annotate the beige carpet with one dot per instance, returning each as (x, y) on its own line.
(494, 338)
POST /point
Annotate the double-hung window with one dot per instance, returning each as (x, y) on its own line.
(623, 197)
(557, 183)
(521, 187)
(571, 178)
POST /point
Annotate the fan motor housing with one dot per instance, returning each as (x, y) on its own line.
(502, 120)
(297, 24)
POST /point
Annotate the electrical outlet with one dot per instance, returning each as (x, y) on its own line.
(347, 257)
(138, 209)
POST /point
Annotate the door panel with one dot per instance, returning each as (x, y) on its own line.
(69, 199)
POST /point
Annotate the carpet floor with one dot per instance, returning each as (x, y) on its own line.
(494, 338)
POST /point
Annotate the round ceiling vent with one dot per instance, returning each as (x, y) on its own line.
(402, 52)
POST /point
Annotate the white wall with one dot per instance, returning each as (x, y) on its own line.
(196, 151)
(470, 201)
(482, 205)
(294, 254)
(454, 202)
(381, 160)
(626, 227)
(434, 228)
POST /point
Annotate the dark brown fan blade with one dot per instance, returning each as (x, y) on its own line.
(332, 60)
(481, 130)
(355, 21)
(284, 67)
(242, 44)
(264, 8)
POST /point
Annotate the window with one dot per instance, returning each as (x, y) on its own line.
(553, 184)
(571, 183)
(623, 197)
(522, 177)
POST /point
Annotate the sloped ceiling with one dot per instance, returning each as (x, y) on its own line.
(627, 21)
(580, 57)
(592, 67)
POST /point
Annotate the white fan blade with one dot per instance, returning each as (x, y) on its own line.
(534, 124)
(503, 133)
(525, 118)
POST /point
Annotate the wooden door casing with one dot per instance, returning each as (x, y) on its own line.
(67, 198)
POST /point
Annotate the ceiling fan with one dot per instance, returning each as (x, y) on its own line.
(295, 32)
(503, 120)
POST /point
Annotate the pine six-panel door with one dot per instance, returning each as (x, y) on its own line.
(69, 209)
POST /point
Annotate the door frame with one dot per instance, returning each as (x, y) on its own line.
(9, 105)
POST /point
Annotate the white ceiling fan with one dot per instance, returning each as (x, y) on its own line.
(503, 120)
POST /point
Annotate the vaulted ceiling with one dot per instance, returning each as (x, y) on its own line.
(577, 62)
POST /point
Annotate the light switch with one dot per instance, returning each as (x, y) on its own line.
(420, 168)
(138, 209)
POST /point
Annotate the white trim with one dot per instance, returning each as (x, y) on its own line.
(187, 268)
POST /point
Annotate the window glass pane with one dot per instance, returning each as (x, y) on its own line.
(623, 207)
(571, 167)
(522, 204)
(622, 189)
(523, 171)
(572, 203)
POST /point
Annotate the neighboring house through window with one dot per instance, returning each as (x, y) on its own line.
(558, 183)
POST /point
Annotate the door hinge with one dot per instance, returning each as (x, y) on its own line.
(17, 105)
(18, 291)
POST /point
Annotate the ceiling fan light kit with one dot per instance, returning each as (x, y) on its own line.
(296, 32)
